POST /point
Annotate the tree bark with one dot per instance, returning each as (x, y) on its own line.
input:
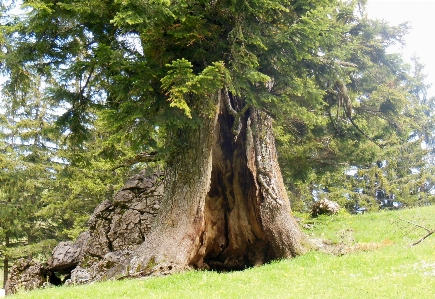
(225, 206)
(6, 263)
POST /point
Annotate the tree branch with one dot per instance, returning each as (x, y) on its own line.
(268, 189)
(237, 126)
(429, 231)
(415, 224)
(344, 100)
(422, 239)
(364, 134)
(141, 157)
(339, 62)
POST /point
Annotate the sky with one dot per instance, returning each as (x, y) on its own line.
(421, 38)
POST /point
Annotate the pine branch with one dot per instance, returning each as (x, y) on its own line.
(141, 157)
(344, 100)
(363, 133)
(339, 62)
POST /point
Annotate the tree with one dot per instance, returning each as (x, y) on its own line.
(41, 203)
(83, 180)
(194, 84)
(388, 112)
(26, 170)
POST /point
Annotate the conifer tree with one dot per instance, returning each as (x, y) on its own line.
(26, 171)
(47, 189)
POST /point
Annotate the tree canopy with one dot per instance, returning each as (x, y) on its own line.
(140, 62)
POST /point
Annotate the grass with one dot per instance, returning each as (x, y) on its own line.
(393, 270)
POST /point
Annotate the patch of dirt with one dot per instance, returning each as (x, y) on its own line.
(346, 244)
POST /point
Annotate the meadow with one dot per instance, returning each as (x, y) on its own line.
(371, 257)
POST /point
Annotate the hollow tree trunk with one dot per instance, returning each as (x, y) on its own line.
(225, 205)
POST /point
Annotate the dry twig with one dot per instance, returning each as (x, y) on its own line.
(429, 231)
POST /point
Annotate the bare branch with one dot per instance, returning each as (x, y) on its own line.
(422, 239)
(429, 231)
(415, 224)
(237, 126)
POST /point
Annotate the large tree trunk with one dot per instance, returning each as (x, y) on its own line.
(225, 205)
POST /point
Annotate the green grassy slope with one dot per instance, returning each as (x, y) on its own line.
(389, 268)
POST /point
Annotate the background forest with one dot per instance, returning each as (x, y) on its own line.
(77, 116)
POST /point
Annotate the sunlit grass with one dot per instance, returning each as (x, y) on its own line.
(393, 270)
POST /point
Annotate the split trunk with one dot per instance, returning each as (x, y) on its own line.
(225, 206)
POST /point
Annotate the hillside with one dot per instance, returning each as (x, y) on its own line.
(373, 258)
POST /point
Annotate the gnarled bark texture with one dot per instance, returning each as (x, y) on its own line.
(224, 204)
